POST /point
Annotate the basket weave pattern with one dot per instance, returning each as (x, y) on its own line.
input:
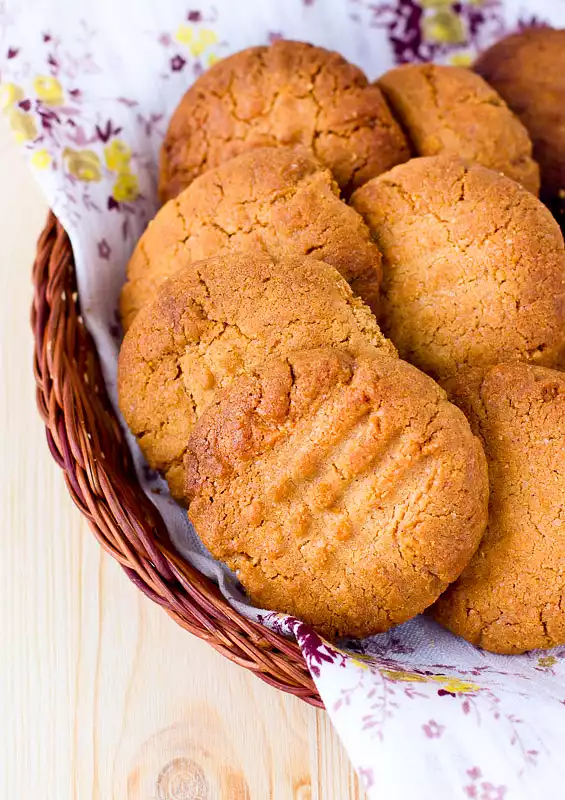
(86, 441)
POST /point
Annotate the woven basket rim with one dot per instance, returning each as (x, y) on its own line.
(86, 441)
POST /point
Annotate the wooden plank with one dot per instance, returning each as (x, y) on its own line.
(102, 695)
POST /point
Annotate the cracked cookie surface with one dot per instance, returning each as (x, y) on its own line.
(527, 69)
(445, 109)
(218, 318)
(473, 266)
(347, 492)
(511, 597)
(289, 93)
(279, 196)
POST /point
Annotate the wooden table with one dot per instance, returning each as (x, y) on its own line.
(101, 694)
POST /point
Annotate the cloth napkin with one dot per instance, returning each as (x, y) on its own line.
(88, 89)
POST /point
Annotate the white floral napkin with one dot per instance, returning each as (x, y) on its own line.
(88, 89)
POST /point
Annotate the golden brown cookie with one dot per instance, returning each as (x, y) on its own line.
(452, 110)
(276, 195)
(289, 93)
(473, 266)
(214, 320)
(511, 596)
(528, 71)
(347, 492)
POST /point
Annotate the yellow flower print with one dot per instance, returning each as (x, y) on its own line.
(184, 34)
(117, 156)
(454, 685)
(10, 94)
(435, 3)
(126, 188)
(196, 44)
(83, 164)
(212, 59)
(205, 39)
(461, 60)
(49, 90)
(359, 660)
(546, 661)
(40, 159)
(445, 27)
(407, 677)
(22, 124)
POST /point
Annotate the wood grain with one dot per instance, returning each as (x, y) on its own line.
(101, 694)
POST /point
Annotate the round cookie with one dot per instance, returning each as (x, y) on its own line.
(218, 318)
(286, 94)
(347, 492)
(528, 71)
(510, 597)
(473, 266)
(446, 109)
(276, 195)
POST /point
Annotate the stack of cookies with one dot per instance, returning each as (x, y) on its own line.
(344, 330)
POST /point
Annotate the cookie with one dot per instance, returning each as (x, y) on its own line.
(276, 195)
(218, 318)
(473, 266)
(289, 93)
(453, 110)
(528, 71)
(345, 491)
(510, 597)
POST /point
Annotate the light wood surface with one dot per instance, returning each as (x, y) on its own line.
(101, 694)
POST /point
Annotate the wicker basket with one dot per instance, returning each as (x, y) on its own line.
(86, 441)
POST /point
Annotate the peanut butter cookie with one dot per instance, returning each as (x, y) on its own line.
(345, 491)
(511, 596)
(528, 71)
(452, 110)
(214, 320)
(473, 266)
(276, 195)
(289, 93)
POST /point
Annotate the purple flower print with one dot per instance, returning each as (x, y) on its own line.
(47, 116)
(126, 101)
(483, 790)
(104, 249)
(486, 791)
(433, 729)
(531, 22)
(105, 132)
(314, 649)
(196, 40)
(13, 52)
(406, 23)
(177, 63)
(367, 777)
(150, 475)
